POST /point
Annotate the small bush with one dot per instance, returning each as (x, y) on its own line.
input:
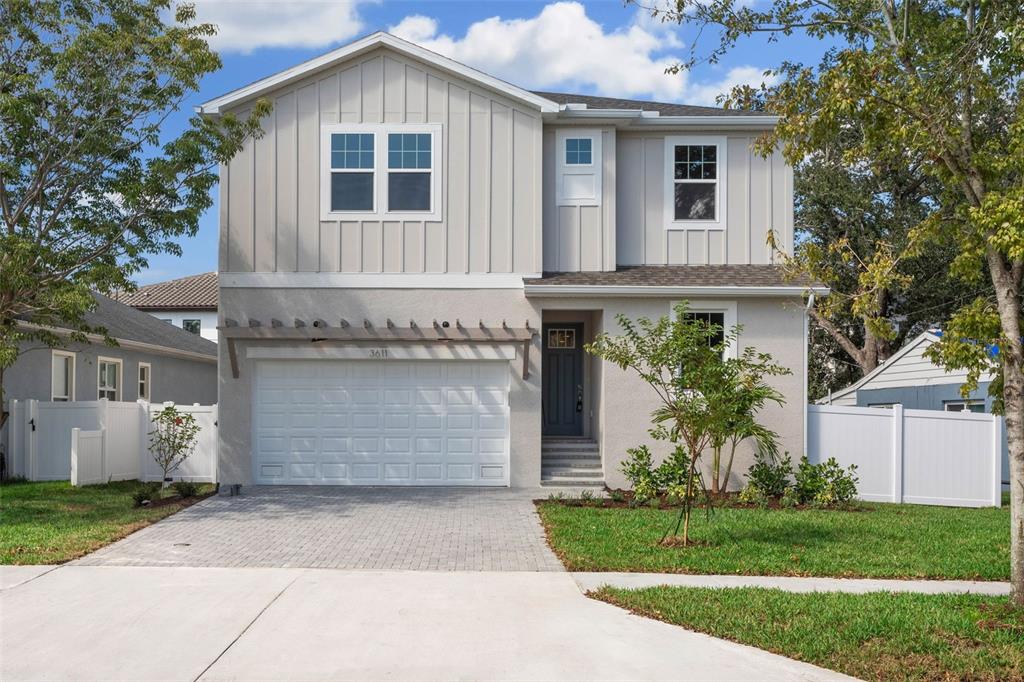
(825, 484)
(618, 496)
(145, 493)
(671, 474)
(638, 469)
(654, 503)
(771, 476)
(751, 494)
(789, 499)
(186, 488)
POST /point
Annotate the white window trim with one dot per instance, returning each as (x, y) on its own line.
(380, 171)
(118, 390)
(595, 168)
(962, 404)
(71, 381)
(728, 310)
(149, 381)
(721, 193)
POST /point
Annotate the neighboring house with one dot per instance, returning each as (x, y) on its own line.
(152, 361)
(188, 302)
(415, 253)
(909, 379)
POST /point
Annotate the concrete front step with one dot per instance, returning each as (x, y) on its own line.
(570, 463)
(572, 483)
(580, 446)
(572, 473)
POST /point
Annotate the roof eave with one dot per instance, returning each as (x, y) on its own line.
(218, 105)
(130, 344)
(587, 290)
(649, 119)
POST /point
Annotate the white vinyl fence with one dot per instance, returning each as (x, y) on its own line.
(99, 441)
(915, 456)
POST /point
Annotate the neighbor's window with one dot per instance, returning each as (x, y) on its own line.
(194, 326)
(109, 384)
(352, 171)
(409, 171)
(145, 380)
(977, 406)
(578, 151)
(695, 176)
(62, 373)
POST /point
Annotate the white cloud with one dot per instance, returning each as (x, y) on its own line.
(562, 48)
(247, 25)
(707, 93)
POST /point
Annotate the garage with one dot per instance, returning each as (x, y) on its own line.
(381, 422)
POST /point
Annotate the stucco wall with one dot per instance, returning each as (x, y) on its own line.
(622, 403)
(174, 379)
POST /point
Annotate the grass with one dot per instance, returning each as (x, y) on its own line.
(872, 636)
(53, 522)
(880, 541)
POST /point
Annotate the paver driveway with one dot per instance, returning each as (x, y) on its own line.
(440, 529)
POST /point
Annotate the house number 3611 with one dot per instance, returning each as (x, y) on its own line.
(379, 353)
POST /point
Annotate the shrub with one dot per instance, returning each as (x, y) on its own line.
(671, 474)
(186, 488)
(618, 496)
(145, 493)
(751, 494)
(638, 469)
(825, 484)
(789, 499)
(172, 439)
(771, 476)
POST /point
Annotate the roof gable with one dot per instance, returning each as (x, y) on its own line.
(359, 47)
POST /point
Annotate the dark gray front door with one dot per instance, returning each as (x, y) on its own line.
(563, 379)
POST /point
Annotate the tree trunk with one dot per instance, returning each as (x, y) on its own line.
(716, 462)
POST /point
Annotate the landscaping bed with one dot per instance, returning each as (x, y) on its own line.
(52, 522)
(871, 636)
(879, 541)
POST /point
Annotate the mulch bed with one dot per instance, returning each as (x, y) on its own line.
(730, 500)
(177, 499)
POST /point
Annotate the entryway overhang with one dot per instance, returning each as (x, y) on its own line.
(416, 340)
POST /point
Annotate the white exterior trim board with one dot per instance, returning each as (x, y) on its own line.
(359, 280)
(217, 105)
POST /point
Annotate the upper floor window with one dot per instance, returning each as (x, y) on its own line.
(62, 376)
(578, 151)
(694, 182)
(193, 326)
(351, 172)
(380, 172)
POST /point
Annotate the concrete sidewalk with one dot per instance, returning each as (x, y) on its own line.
(159, 623)
(592, 581)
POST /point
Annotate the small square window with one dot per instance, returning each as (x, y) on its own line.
(562, 338)
(409, 150)
(192, 326)
(578, 151)
(352, 151)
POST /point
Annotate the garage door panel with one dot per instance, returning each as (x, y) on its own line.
(390, 423)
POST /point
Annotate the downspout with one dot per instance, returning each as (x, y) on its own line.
(807, 315)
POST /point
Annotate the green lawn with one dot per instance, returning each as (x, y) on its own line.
(872, 636)
(882, 541)
(52, 522)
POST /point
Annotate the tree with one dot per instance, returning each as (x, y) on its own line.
(701, 394)
(927, 80)
(88, 186)
(172, 440)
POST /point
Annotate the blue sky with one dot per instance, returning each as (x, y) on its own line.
(586, 47)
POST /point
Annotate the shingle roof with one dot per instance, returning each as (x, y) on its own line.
(663, 108)
(675, 276)
(127, 323)
(196, 292)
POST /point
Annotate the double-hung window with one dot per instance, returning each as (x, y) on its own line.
(145, 380)
(62, 376)
(108, 383)
(381, 172)
(720, 314)
(695, 182)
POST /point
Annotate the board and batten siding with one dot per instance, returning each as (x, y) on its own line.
(759, 197)
(490, 172)
(579, 238)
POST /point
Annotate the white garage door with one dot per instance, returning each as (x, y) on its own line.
(366, 422)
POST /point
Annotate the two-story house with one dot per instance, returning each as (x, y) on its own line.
(415, 253)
